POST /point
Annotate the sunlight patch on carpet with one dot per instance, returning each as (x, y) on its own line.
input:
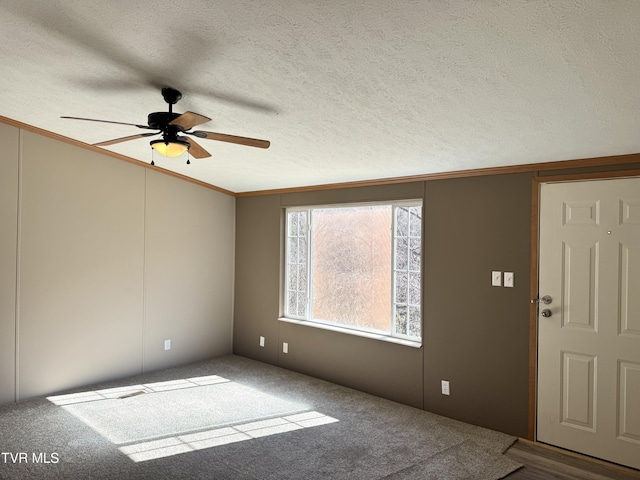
(165, 447)
(130, 390)
(155, 420)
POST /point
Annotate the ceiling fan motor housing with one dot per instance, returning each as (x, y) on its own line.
(160, 120)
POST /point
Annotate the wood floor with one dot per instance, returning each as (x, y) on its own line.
(547, 463)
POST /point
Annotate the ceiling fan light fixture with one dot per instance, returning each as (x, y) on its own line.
(172, 148)
(171, 125)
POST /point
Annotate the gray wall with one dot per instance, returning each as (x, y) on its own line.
(113, 258)
(474, 335)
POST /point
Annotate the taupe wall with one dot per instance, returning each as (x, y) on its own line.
(113, 259)
(474, 335)
(257, 287)
(477, 336)
(385, 369)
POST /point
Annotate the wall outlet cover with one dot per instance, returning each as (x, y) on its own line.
(445, 387)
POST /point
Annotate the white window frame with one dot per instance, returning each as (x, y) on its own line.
(392, 334)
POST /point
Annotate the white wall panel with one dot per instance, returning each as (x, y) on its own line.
(107, 260)
(82, 251)
(189, 264)
(9, 139)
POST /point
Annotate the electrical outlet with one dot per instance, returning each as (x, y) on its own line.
(445, 387)
(167, 344)
(261, 341)
(496, 279)
(285, 347)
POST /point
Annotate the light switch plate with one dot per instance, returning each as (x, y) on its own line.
(496, 279)
(285, 347)
(261, 341)
(167, 344)
(508, 279)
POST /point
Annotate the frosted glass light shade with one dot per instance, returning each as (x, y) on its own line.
(170, 149)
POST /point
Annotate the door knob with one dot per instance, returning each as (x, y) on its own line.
(546, 300)
(546, 313)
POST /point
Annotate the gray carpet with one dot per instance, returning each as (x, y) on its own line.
(234, 418)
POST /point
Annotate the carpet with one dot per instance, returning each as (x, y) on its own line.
(235, 418)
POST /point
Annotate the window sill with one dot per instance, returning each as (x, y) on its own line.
(357, 333)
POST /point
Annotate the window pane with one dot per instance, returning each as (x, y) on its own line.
(293, 224)
(414, 254)
(297, 223)
(293, 303)
(293, 277)
(302, 278)
(401, 319)
(402, 222)
(293, 250)
(415, 214)
(357, 266)
(302, 304)
(402, 249)
(351, 266)
(413, 325)
(408, 250)
(303, 222)
(296, 263)
(302, 250)
(414, 289)
(402, 286)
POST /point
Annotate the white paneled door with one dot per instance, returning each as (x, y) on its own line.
(589, 327)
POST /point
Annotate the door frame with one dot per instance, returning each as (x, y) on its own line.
(534, 264)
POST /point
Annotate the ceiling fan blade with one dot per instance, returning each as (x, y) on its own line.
(234, 99)
(124, 139)
(223, 137)
(189, 120)
(196, 151)
(109, 121)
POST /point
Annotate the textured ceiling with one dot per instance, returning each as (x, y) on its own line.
(344, 90)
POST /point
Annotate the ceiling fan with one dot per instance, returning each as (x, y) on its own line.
(173, 127)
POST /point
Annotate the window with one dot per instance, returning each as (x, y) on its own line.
(356, 266)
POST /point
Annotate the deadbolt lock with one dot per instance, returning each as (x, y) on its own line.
(546, 300)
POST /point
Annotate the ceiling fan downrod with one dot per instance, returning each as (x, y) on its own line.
(171, 96)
